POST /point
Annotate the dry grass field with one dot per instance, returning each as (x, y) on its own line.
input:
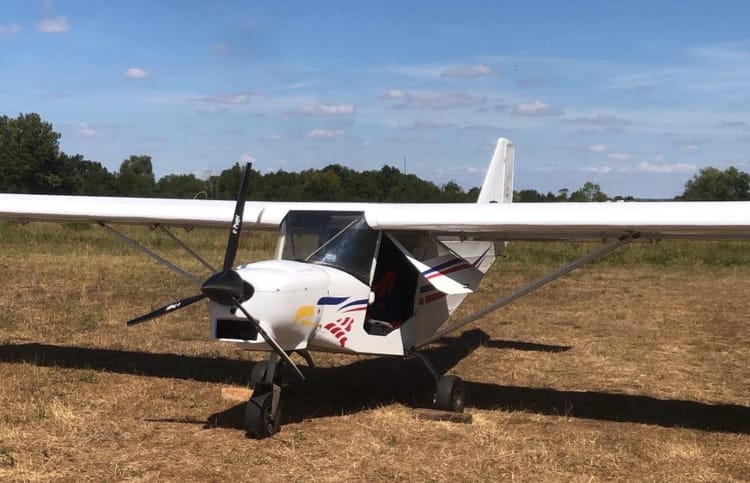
(635, 368)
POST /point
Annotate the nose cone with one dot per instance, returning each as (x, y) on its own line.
(284, 276)
(225, 287)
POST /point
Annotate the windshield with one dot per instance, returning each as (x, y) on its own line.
(306, 231)
(351, 250)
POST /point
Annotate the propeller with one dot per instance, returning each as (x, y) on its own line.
(227, 287)
(166, 309)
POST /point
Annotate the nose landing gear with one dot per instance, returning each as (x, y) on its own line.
(263, 410)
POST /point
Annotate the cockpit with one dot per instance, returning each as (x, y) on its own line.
(342, 240)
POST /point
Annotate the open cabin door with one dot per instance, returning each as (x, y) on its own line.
(394, 287)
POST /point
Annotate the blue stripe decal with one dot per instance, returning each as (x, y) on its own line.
(356, 302)
(442, 266)
(331, 300)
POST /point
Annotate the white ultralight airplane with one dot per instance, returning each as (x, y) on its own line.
(372, 278)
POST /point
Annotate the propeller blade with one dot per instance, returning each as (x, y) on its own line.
(234, 232)
(276, 347)
(166, 309)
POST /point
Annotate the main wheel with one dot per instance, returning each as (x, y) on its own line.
(449, 395)
(260, 421)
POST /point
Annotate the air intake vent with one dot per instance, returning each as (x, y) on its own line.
(236, 330)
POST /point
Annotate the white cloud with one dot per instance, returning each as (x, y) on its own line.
(598, 169)
(433, 100)
(212, 109)
(222, 102)
(86, 131)
(607, 121)
(597, 148)
(429, 124)
(732, 124)
(461, 170)
(467, 72)
(234, 99)
(690, 147)
(536, 109)
(393, 94)
(247, 158)
(665, 168)
(10, 29)
(302, 84)
(324, 134)
(325, 110)
(137, 73)
(53, 25)
(619, 156)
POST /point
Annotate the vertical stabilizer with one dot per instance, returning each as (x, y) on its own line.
(498, 184)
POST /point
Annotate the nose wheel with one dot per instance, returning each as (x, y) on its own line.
(263, 410)
(263, 414)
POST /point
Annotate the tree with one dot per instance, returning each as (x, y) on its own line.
(136, 177)
(711, 184)
(453, 193)
(180, 186)
(529, 195)
(29, 155)
(589, 192)
(321, 185)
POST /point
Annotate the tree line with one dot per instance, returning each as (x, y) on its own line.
(31, 162)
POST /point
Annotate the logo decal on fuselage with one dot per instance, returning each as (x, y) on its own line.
(340, 329)
(305, 316)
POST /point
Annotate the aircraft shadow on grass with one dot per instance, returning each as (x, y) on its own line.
(369, 383)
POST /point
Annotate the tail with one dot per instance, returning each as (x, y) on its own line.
(498, 183)
(497, 188)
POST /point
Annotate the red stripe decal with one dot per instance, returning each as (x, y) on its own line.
(453, 269)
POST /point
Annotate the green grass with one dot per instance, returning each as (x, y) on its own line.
(670, 253)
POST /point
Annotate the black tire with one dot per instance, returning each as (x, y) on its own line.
(449, 395)
(258, 373)
(260, 422)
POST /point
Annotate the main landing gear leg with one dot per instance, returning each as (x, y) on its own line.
(263, 410)
(449, 390)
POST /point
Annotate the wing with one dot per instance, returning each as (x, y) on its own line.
(571, 221)
(153, 211)
(492, 221)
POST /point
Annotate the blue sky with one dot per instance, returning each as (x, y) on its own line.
(636, 96)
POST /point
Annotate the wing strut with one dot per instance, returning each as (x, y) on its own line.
(151, 254)
(188, 249)
(536, 284)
